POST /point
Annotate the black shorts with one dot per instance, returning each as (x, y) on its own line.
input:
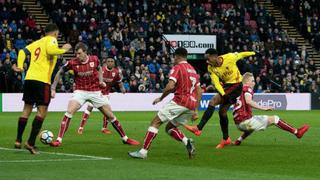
(36, 92)
(233, 91)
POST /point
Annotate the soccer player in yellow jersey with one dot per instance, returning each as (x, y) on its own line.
(36, 90)
(226, 78)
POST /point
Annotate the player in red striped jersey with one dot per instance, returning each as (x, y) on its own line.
(88, 80)
(246, 122)
(111, 76)
(184, 82)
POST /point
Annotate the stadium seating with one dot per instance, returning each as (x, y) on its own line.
(132, 32)
(304, 15)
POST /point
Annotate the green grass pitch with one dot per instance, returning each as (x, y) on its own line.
(268, 155)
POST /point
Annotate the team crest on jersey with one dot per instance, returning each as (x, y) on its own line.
(113, 74)
(91, 64)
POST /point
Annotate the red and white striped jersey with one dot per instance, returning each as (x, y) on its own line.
(110, 77)
(241, 110)
(86, 74)
(186, 79)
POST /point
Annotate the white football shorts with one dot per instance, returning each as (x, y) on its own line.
(256, 123)
(94, 97)
(175, 113)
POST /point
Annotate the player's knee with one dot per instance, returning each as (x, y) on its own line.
(222, 113)
(67, 114)
(276, 119)
(214, 102)
(42, 114)
(168, 130)
(89, 108)
(156, 122)
(169, 127)
(112, 119)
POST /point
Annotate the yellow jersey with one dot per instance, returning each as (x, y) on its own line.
(228, 72)
(43, 58)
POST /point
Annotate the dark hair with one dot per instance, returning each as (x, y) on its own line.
(181, 52)
(110, 57)
(51, 28)
(211, 51)
(81, 45)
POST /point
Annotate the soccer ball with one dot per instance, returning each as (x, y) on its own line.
(46, 137)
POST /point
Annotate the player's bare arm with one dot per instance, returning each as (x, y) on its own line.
(253, 104)
(101, 82)
(16, 69)
(55, 82)
(199, 95)
(122, 89)
(67, 47)
(244, 54)
(167, 90)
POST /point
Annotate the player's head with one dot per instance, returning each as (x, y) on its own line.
(110, 63)
(248, 79)
(180, 54)
(52, 29)
(212, 57)
(81, 51)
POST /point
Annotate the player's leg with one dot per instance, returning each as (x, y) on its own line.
(223, 110)
(29, 100)
(243, 136)
(216, 100)
(85, 117)
(287, 127)
(106, 110)
(73, 106)
(149, 137)
(175, 133)
(105, 121)
(41, 97)
(105, 129)
(22, 122)
(170, 112)
(36, 127)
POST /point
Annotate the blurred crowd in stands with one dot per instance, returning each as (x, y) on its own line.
(305, 16)
(131, 33)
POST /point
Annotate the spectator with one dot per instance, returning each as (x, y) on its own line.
(19, 43)
(30, 22)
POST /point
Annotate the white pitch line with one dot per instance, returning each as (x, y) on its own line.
(49, 160)
(62, 154)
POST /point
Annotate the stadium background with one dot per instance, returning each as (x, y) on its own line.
(285, 34)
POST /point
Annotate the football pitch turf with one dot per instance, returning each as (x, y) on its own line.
(264, 155)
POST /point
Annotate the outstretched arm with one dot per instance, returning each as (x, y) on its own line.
(237, 56)
(53, 48)
(253, 104)
(167, 90)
